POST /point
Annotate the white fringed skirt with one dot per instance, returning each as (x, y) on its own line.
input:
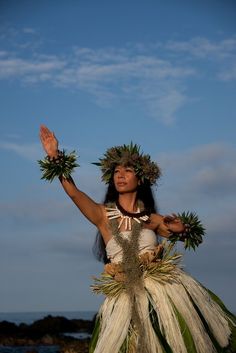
(177, 317)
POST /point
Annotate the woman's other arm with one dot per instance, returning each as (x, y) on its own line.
(167, 225)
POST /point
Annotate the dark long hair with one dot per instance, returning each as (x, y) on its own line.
(144, 194)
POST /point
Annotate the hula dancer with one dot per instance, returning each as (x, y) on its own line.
(151, 305)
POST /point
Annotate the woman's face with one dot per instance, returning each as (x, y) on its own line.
(125, 179)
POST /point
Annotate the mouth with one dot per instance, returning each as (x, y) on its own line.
(121, 184)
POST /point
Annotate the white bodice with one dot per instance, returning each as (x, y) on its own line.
(147, 242)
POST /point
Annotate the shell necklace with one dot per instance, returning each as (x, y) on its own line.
(126, 217)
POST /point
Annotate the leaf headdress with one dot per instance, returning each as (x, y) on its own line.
(128, 155)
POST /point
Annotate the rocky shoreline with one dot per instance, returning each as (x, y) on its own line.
(49, 331)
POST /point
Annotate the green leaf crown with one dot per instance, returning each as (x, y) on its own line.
(128, 155)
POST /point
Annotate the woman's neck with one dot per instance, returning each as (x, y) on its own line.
(128, 201)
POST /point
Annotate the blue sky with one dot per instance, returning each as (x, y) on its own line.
(161, 74)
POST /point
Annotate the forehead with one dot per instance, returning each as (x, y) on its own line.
(122, 166)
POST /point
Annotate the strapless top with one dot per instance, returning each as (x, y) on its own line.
(147, 242)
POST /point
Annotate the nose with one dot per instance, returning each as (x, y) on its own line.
(121, 174)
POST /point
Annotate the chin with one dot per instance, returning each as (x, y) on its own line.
(125, 190)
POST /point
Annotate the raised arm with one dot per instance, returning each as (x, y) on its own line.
(90, 209)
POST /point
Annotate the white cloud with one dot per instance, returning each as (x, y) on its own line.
(11, 67)
(165, 105)
(30, 151)
(139, 73)
(3, 53)
(28, 30)
(202, 179)
(209, 169)
(229, 74)
(222, 53)
(108, 74)
(200, 156)
(34, 212)
(216, 179)
(200, 47)
(141, 78)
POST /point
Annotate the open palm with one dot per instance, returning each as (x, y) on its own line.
(49, 141)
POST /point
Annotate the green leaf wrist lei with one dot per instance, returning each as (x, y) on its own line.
(61, 166)
(193, 233)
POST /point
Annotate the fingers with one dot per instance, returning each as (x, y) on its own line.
(45, 133)
(167, 219)
(170, 218)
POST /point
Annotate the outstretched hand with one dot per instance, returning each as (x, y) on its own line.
(173, 223)
(49, 141)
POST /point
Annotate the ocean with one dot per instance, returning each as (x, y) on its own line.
(29, 317)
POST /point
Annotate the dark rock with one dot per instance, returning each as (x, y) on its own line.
(47, 331)
(59, 324)
(8, 328)
(78, 347)
(47, 340)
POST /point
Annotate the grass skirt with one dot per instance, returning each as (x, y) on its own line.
(178, 316)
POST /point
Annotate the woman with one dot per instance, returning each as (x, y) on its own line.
(151, 305)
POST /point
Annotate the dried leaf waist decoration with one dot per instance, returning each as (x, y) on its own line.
(61, 166)
(161, 265)
(133, 277)
(194, 231)
(128, 275)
